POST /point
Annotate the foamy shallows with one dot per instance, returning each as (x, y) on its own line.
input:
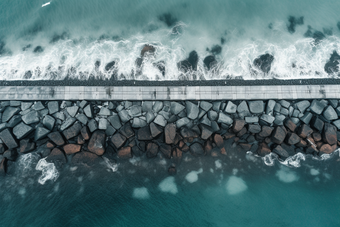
(168, 185)
(286, 175)
(193, 176)
(235, 185)
(140, 193)
(49, 171)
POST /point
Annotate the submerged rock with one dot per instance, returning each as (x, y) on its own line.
(316, 35)
(264, 62)
(210, 62)
(147, 49)
(38, 49)
(293, 21)
(168, 19)
(332, 66)
(109, 66)
(190, 63)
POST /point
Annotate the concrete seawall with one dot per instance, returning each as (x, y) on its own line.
(263, 92)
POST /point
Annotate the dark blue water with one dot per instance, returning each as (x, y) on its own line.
(235, 190)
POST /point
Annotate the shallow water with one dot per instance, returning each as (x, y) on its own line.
(74, 35)
(234, 190)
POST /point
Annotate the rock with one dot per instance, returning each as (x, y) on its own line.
(93, 125)
(263, 62)
(124, 116)
(110, 66)
(9, 113)
(210, 62)
(254, 128)
(223, 118)
(218, 139)
(85, 133)
(124, 153)
(190, 63)
(332, 66)
(256, 107)
(118, 140)
(151, 150)
(317, 136)
(330, 114)
(53, 107)
(134, 111)
(290, 125)
(205, 120)
(85, 158)
(138, 123)
(329, 134)
(238, 125)
(206, 106)
(71, 148)
(26, 146)
(292, 139)
(326, 148)
(127, 131)
(157, 106)
(196, 149)
(212, 115)
(102, 124)
(3, 166)
(115, 121)
(306, 118)
(192, 110)
(149, 117)
(82, 118)
(31, 117)
(170, 133)
(73, 131)
(67, 123)
(72, 111)
(166, 150)
(279, 119)
(14, 121)
(56, 138)
(155, 130)
(188, 133)
(147, 49)
(263, 149)
(267, 119)
(282, 153)
(97, 143)
(270, 107)
(231, 108)
(278, 134)
(250, 120)
(160, 120)
(303, 105)
(22, 130)
(317, 107)
(206, 131)
(147, 106)
(59, 115)
(88, 111)
(284, 111)
(82, 104)
(182, 122)
(285, 104)
(7, 138)
(26, 105)
(40, 133)
(176, 108)
(337, 124)
(243, 109)
(48, 122)
(56, 156)
(304, 131)
(110, 130)
(317, 124)
(144, 133)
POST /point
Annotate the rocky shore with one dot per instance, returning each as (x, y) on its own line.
(82, 132)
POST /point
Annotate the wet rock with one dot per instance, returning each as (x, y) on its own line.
(278, 135)
(170, 133)
(206, 131)
(53, 107)
(263, 149)
(9, 113)
(85, 158)
(327, 149)
(192, 110)
(110, 66)
(292, 139)
(160, 120)
(290, 125)
(71, 148)
(304, 131)
(38, 49)
(56, 156)
(231, 108)
(317, 136)
(48, 122)
(144, 133)
(118, 140)
(97, 143)
(267, 119)
(127, 131)
(218, 139)
(22, 130)
(282, 153)
(238, 125)
(196, 149)
(3, 166)
(124, 153)
(151, 150)
(330, 114)
(303, 105)
(264, 62)
(56, 138)
(223, 118)
(332, 66)
(256, 107)
(73, 131)
(190, 63)
(210, 62)
(329, 134)
(166, 150)
(206, 106)
(7, 138)
(26, 146)
(88, 111)
(72, 111)
(115, 121)
(92, 125)
(155, 130)
(176, 108)
(317, 107)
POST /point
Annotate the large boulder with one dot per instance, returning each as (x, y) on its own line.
(56, 138)
(118, 140)
(124, 152)
(329, 134)
(56, 156)
(73, 131)
(166, 150)
(22, 130)
(71, 148)
(197, 149)
(97, 143)
(7, 138)
(144, 133)
(278, 135)
(170, 133)
(85, 158)
(264, 62)
(190, 63)
(210, 62)
(192, 110)
(151, 150)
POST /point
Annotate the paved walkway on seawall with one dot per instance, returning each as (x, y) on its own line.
(263, 92)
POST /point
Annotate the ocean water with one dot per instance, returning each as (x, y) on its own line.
(239, 189)
(70, 36)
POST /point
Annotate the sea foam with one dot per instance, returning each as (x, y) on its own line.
(193, 176)
(140, 193)
(168, 185)
(49, 171)
(235, 185)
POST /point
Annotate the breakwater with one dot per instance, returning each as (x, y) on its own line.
(81, 133)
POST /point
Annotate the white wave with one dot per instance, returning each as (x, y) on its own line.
(235, 185)
(314, 172)
(168, 185)
(141, 193)
(49, 171)
(286, 175)
(46, 4)
(110, 165)
(218, 164)
(193, 176)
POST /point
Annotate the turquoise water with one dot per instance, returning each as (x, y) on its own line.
(73, 35)
(234, 190)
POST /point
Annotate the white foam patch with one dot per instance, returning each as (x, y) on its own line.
(218, 164)
(286, 175)
(141, 193)
(235, 185)
(193, 176)
(314, 172)
(49, 171)
(168, 185)
(110, 165)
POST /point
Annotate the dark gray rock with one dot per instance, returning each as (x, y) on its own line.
(243, 110)
(72, 110)
(43, 112)
(59, 115)
(206, 106)
(223, 118)
(93, 126)
(31, 118)
(15, 103)
(306, 118)
(104, 112)
(138, 123)
(282, 153)
(160, 120)
(182, 122)
(215, 127)
(147, 106)
(192, 110)
(196, 149)
(317, 107)
(67, 123)
(124, 116)
(201, 114)
(176, 108)
(231, 108)
(26, 105)
(38, 106)
(303, 105)
(82, 104)
(102, 124)
(256, 107)
(9, 113)
(22, 130)
(40, 133)
(263, 62)
(53, 107)
(333, 102)
(150, 116)
(330, 114)
(284, 111)
(135, 111)
(48, 122)
(88, 111)
(82, 118)
(14, 121)
(279, 119)
(7, 138)
(115, 121)
(157, 106)
(284, 104)
(110, 130)
(277, 107)
(216, 106)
